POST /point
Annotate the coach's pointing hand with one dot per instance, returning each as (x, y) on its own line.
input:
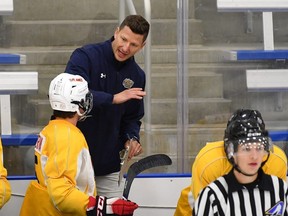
(128, 94)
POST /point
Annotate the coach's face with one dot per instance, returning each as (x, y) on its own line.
(126, 43)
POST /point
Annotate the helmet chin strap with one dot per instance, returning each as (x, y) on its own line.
(82, 116)
(236, 167)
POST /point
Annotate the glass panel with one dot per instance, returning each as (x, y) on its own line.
(19, 160)
(217, 85)
(195, 86)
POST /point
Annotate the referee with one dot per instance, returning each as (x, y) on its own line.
(246, 190)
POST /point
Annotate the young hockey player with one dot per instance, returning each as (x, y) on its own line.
(65, 182)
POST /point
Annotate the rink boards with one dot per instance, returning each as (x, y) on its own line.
(155, 194)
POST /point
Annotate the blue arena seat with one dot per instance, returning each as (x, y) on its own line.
(19, 139)
(10, 58)
(242, 55)
(30, 139)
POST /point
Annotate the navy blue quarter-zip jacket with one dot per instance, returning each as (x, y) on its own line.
(110, 125)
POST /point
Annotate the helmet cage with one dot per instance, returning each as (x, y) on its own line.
(248, 142)
(85, 105)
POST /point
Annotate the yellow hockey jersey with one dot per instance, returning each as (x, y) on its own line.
(5, 188)
(211, 163)
(65, 176)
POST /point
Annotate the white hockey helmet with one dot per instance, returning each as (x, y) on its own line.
(69, 92)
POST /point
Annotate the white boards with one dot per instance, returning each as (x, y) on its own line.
(252, 5)
(6, 7)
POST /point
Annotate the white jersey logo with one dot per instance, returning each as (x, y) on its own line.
(276, 210)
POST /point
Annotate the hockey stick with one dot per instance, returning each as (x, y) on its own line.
(141, 165)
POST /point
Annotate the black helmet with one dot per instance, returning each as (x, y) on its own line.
(245, 126)
(247, 114)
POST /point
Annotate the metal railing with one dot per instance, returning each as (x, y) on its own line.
(147, 60)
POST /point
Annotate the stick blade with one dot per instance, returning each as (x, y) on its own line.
(144, 164)
(150, 162)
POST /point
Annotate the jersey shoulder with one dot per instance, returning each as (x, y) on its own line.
(212, 153)
(278, 154)
(276, 163)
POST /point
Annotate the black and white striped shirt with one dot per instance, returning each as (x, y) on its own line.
(226, 197)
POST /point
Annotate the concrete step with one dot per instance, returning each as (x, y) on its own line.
(164, 111)
(164, 85)
(88, 9)
(160, 54)
(80, 32)
(163, 80)
(236, 27)
(230, 28)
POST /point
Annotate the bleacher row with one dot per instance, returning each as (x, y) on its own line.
(13, 82)
(263, 80)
